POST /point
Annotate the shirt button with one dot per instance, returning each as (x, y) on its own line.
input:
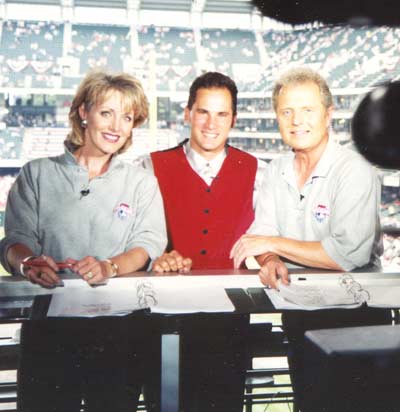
(206, 210)
(208, 190)
(203, 251)
(205, 231)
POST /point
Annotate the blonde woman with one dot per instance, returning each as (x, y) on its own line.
(87, 208)
(100, 217)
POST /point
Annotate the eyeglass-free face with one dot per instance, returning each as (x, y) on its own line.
(109, 125)
(211, 119)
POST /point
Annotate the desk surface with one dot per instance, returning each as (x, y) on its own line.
(249, 300)
(246, 299)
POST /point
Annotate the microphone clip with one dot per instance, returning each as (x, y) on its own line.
(84, 192)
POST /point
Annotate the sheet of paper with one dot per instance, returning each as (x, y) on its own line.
(164, 294)
(308, 295)
(282, 303)
(93, 302)
(383, 296)
(346, 290)
(279, 302)
(177, 296)
(191, 294)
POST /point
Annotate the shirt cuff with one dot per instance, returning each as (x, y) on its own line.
(329, 246)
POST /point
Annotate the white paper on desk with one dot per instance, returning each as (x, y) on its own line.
(383, 296)
(312, 292)
(164, 294)
(93, 302)
(308, 297)
(317, 296)
(279, 302)
(383, 293)
(191, 294)
(182, 296)
(325, 291)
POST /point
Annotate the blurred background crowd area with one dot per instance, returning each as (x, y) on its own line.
(167, 45)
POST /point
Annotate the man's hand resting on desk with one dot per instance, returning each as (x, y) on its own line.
(273, 269)
(250, 245)
(172, 262)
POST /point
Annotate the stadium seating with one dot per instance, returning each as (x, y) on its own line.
(350, 57)
(10, 143)
(31, 41)
(173, 50)
(100, 46)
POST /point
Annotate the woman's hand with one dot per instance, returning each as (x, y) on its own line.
(92, 270)
(43, 271)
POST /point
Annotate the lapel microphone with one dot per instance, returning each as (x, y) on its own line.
(85, 192)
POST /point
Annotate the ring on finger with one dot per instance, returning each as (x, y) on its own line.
(89, 275)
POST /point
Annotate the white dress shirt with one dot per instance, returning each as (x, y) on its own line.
(206, 169)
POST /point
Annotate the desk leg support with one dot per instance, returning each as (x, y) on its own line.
(170, 347)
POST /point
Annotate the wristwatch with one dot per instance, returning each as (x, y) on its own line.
(114, 267)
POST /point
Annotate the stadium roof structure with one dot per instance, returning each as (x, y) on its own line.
(208, 6)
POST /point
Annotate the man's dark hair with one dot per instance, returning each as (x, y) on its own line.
(213, 80)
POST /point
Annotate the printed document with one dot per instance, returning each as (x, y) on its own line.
(347, 290)
(164, 294)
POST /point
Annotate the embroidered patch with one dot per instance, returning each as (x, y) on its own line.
(123, 211)
(321, 213)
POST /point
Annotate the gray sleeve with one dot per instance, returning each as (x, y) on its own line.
(261, 165)
(354, 220)
(145, 162)
(265, 221)
(21, 217)
(149, 230)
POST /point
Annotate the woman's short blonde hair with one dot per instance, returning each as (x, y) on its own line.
(94, 89)
(302, 75)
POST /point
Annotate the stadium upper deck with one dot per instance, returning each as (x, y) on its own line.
(37, 54)
(44, 58)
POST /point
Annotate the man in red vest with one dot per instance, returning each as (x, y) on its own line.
(207, 185)
(207, 188)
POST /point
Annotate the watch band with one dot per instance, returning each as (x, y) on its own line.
(23, 261)
(114, 268)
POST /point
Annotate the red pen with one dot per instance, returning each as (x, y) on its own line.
(42, 263)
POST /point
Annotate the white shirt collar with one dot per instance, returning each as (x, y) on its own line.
(206, 169)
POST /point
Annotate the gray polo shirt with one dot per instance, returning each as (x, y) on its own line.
(338, 205)
(118, 210)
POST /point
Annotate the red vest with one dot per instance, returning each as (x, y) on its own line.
(205, 221)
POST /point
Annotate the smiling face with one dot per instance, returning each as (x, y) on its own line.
(109, 125)
(211, 118)
(303, 119)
